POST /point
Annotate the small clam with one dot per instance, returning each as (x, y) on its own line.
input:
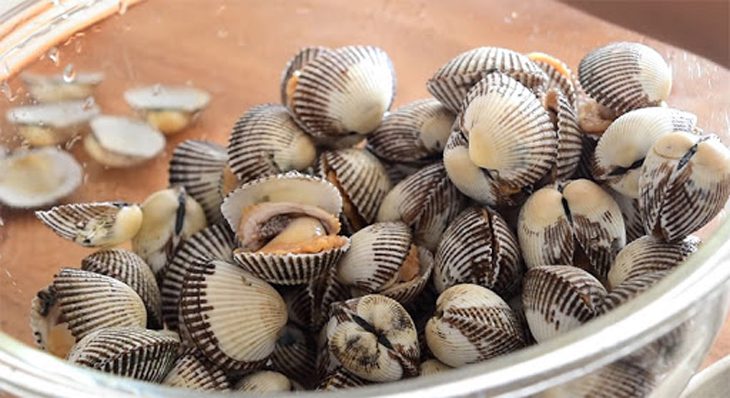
(383, 259)
(624, 76)
(452, 81)
(193, 371)
(632, 215)
(61, 87)
(52, 124)
(266, 141)
(168, 216)
(341, 379)
(101, 224)
(415, 133)
(121, 142)
(622, 148)
(684, 183)
(231, 316)
(127, 267)
(170, 109)
(574, 223)
(37, 178)
(264, 381)
(293, 69)
(295, 356)
(433, 366)
(127, 351)
(559, 298)
(559, 75)
(286, 227)
(478, 247)
(361, 180)
(340, 96)
(621, 379)
(426, 201)
(374, 337)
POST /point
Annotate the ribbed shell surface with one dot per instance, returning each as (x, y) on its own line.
(295, 65)
(193, 371)
(295, 356)
(559, 75)
(264, 381)
(570, 141)
(632, 215)
(88, 224)
(341, 379)
(631, 288)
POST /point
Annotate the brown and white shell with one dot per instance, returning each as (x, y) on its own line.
(684, 183)
(341, 379)
(632, 215)
(478, 247)
(295, 356)
(426, 201)
(193, 371)
(560, 298)
(570, 138)
(452, 81)
(264, 381)
(397, 172)
(433, 366)
(293, 69)
(558, 74)
(472, 324)
(101, 224)
(630, 288)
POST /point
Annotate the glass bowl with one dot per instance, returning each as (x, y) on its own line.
(236, 50)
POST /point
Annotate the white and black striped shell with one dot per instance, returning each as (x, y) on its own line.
(558, 74)
(341, 379)
(263, 382)
(570, 138)
(632, 215)
(193, 371)
(630, 288)
(293, 69)
(295, 356)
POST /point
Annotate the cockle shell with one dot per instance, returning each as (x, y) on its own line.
(293, 69)
(193, 371)
(559, 298)
(478, 247)
(559, 75)
(433, 366)
(632, 215)
(54, 88)
(340, 379)
(170, 109)
(570, 138)
(630, 288)
(117, 141)
(472, 324)
(264, 381)
(53, 123)
(295, 356)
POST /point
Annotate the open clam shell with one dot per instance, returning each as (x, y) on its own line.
(193, 371)
(472, 324)
(624, 76)
(121, 142)
(54, 123)
(684, 183)
(60, 87)
(425, 201)
(558, 74)
(293, 69)
(101, 224)
(231, 316)
(169, 109)
(295, 356)
(478, 247)
(559, 298)
(125, 266)
(127, 351)
(265, 381)
(453, 80)
(266, 141)
(37, 178)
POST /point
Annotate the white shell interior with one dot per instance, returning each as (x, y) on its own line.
(188, 99)
(126, 136)
(57, 114)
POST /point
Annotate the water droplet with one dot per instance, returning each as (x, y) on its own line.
(123, 6)
(222, 33)
(514, 15)
(78, 46)
(89, 103)
(7, 91)
(54, 55)
(69, 73)
(70, 144)
(156, 89)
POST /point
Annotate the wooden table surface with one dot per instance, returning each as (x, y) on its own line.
(236, 50)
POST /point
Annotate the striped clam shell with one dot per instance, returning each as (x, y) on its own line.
(649, 254)
(341, 379)
(570, 138)
(433, 366)
(361, 180)
(624, 76)
(295, 356)
(631, 288)
(684, 183)
(621, 379)
(587, 157)
(478, 247)
(397, 172)
(472, 324)
(558, 74)
(559, 298)
(193, 371)
(212, 243)
(294, 67)
(574, 223)
(632, 215)
(343, 94)
(414, 133)
(198, 166)
(49, 327)
(627, 141)
(127, 351)
(452, 81)
(232, 317)
(266, 141)
(264, 381)
(100, 224)
(129, 268)
(426, 201)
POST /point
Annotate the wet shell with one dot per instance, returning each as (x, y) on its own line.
(265, 381)
(342, 95)
(649, 254)
(415, 133)
(233, 317)
(433, 366)
(478, 247)
(576, 223)
(559, 298)
(341, 379)
(295, 356)
(570, 138)
(374, 337)
(100, 224)
(122, 142)
(632, 215)
(212, 243)
(266, 141)
(624, 76)
(559, 75)
(127, 267)
(129, 352)
(199, 167)
(193, 371)
(472, 324)
(622, 379)
(426, 201)
(631, 288)
(452, 81)
(622, 148)
(170, 109)
(293, 69)
(53, 123)
(684, 183)
(54, 88)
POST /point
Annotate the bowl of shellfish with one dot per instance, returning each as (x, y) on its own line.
(398, 199)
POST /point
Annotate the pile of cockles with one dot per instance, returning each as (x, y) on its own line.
(335, 243)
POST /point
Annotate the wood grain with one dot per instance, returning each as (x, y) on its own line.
(236, 50)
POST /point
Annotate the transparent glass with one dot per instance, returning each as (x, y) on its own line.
(236, 51)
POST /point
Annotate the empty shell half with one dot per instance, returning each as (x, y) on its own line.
(169, 109)
(193, 371)
(61, 87)
(54, 123)
(264, 381)
(121, 142)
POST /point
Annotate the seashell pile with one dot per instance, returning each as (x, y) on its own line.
(334, 244)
